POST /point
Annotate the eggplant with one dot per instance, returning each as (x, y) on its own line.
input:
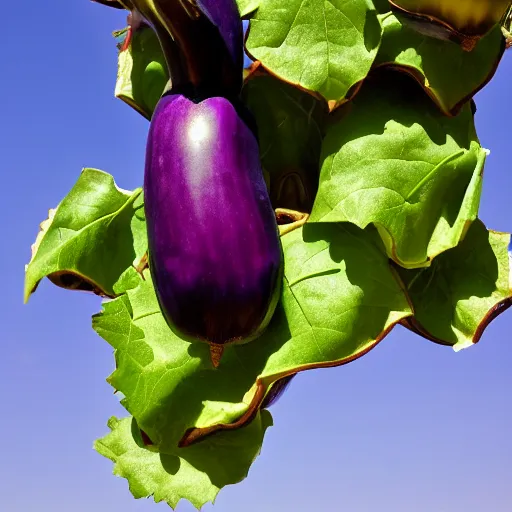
(472, 18)
(225, 17)
(214, 249)
(209, 35)
(276, 391)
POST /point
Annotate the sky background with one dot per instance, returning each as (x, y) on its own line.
(411, 427)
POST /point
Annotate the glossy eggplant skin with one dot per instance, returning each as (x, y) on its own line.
(214, 249)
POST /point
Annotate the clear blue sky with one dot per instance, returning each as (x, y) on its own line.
(411, 427)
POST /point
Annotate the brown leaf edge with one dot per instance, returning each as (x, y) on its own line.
(266, 391)
(63, 279)
(261, 390)
(422, 80)
(413, 325)
(259, 68)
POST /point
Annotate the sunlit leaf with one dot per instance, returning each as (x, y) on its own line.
(463, 291)
(392, 159)
(449, 74)
(142, 73)
(196, 473)
(340, 299)
(93, 236)
(323, 47)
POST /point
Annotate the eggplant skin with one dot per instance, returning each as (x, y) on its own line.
(276, 391)
(203, 41)
(225, 17)
(214, 249)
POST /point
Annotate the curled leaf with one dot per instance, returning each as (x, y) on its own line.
(463, 291)
(90, 239)
(448, 74)
(142, 74)
(392, 159)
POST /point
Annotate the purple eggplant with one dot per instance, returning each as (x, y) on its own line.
(209, 36)
(276, 391)
(214, 248)
(224, 16)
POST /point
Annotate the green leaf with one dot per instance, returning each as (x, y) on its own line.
(247, 6)
(323, 47)
(196, 473)
(392, 159)
(290, 125)
(340, 299)
(463, 291)
(92, 237)
(450, 75)
(382, 6)
(142, 74)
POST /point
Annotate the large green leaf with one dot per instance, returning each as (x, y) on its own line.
(195, 473)
(91, 238)
(142, 73)
(465, 288)
(290, 125)
(323, 47)
(391, 158)
(449, 74)
(340, 299)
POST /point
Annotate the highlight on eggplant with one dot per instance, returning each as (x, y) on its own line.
(214, 248)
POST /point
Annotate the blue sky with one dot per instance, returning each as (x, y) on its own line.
(410, 427)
